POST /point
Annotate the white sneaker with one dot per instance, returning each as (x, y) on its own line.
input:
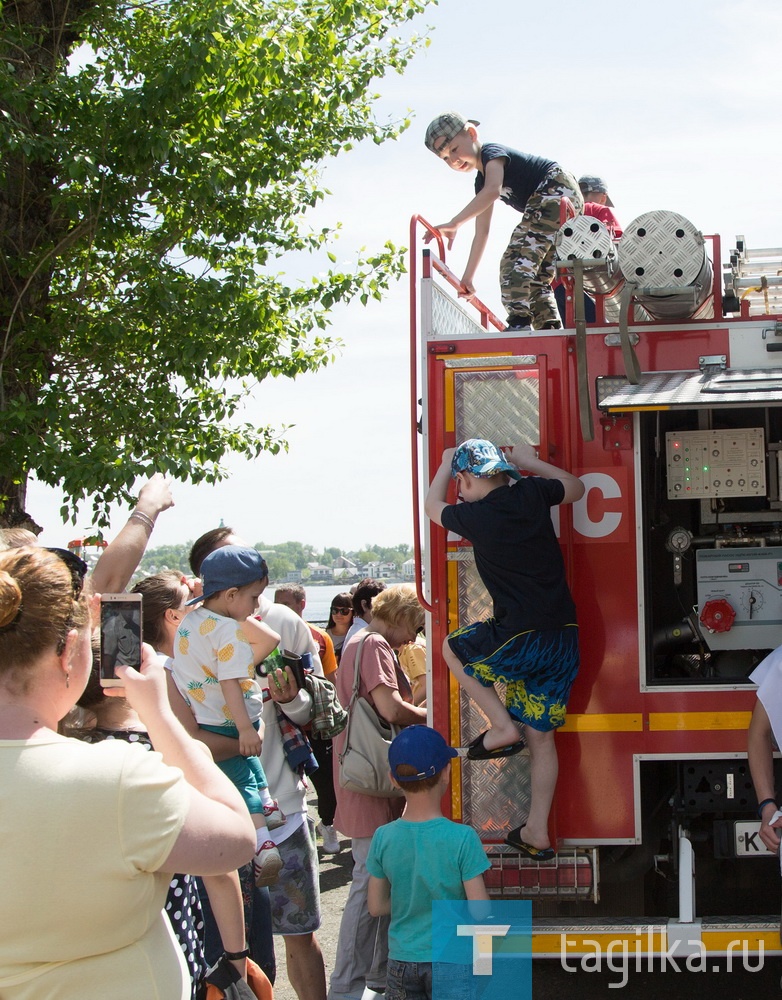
(331, 844)
(266, 864)
(273, 815)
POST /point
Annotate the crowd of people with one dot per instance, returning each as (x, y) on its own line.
(182, 788)
(182, 792)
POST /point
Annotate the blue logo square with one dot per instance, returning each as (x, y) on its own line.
(481, 950)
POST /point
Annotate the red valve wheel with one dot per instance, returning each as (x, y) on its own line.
(718, 615)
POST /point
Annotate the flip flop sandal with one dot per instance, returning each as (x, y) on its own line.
(477, 751)
(514, 839)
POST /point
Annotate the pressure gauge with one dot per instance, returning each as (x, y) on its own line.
(752, 601)
(679, 540)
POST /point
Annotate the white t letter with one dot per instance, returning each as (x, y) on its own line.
(481, 945)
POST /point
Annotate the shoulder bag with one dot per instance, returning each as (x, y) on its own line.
(363, 763)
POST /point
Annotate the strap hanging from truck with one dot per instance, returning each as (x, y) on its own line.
(632, 368)
(582, 367)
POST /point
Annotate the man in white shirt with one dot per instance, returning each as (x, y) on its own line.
(295, 896)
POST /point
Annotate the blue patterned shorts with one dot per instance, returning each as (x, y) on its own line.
(537, 666)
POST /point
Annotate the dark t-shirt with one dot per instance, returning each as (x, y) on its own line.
(523, 173)
(517, 553)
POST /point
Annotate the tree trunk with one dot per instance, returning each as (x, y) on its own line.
(13, 514)
(35, 38)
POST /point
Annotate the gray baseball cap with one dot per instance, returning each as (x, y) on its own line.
(589, 183)
(446, 126)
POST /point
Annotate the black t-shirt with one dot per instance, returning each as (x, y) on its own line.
(517, 553)
(523, 173)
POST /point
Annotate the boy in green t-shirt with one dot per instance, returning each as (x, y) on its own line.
(420, 858)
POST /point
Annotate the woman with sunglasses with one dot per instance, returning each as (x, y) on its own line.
(340, 620)
(96, 831)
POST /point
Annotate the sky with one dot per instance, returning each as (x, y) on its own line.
(674, 103)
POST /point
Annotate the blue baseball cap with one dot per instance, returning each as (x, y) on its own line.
(422, 748)
(230, 566)
(481, 458)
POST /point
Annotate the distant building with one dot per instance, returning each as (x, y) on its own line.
(379, 570)
(408, 569)
(345, 563)
(320, 573)
(293, 576)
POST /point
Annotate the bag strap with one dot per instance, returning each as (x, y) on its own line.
(354, 695)
(357, 671)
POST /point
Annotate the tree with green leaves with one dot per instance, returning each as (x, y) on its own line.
(157, 160)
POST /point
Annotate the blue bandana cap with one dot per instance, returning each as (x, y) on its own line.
(481, 458)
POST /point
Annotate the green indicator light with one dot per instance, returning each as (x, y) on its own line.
(705, 468)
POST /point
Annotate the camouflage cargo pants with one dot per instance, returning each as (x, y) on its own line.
(527, 266)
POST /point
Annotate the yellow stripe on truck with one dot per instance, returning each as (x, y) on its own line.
(678, 721)
(615, 722)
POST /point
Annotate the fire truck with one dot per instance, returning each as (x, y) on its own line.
(669, 408)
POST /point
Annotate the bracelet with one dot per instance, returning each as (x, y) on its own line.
(144, 518)
(763, 804)
(235, 956)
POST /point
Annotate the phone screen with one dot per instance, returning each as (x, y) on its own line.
(120, 634)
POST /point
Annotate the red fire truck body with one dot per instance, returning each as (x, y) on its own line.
(674, 559)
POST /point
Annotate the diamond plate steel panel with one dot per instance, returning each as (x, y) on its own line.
(495, 793)
(587, 239)
(661, 249)
(584, 238)
(474, 601)
(504, 360)
(675, 390)
(500, 406)
(449, 319)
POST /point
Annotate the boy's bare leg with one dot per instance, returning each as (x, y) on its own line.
(544, 768)
(306, 971)
(503, 731)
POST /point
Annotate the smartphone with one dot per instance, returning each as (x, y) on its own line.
(120, 635)
(298, 663)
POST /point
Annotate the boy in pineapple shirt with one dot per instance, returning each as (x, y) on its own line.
(214, 668)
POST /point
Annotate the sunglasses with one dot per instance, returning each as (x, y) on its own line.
(76, 566)
(342, 611)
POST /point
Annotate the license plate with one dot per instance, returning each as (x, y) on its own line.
(746, 837)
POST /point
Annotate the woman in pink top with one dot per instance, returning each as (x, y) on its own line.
(397, 617)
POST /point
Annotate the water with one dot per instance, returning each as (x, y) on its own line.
(319, 600)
